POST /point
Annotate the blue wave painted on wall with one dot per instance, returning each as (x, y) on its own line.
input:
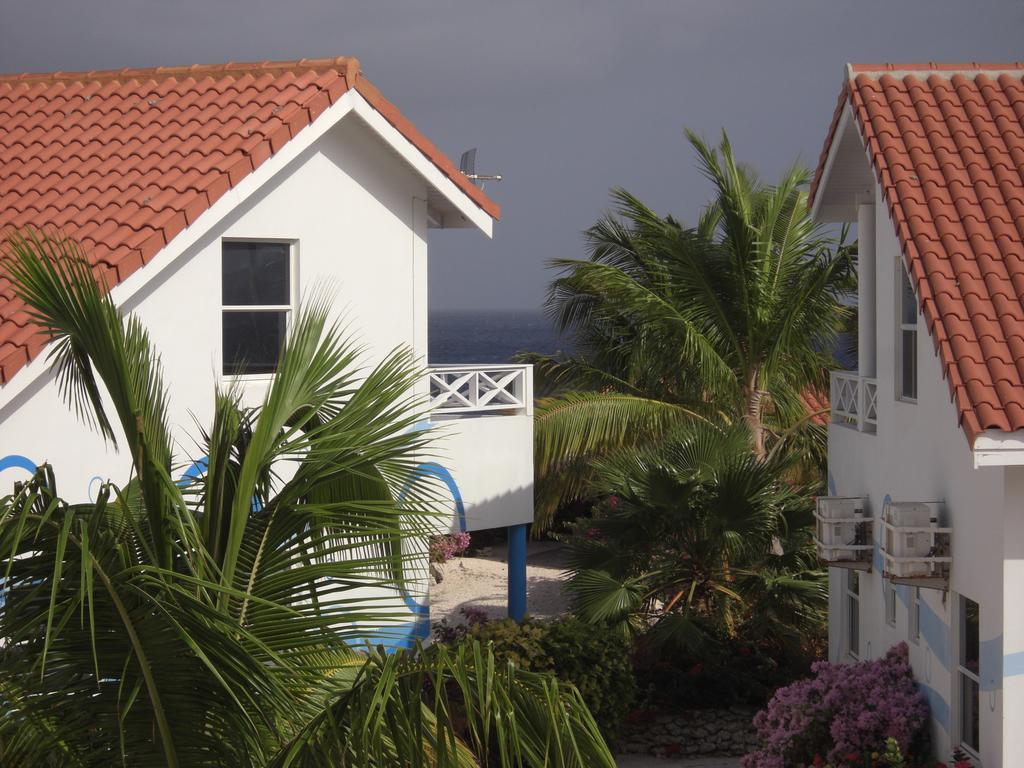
(938, 705)
(420, 628)
(16, 461)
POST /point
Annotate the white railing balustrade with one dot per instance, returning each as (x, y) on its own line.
(481, 389)
(869, 403)
(854, 401)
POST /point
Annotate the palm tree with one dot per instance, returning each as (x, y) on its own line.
(681, 550)
(734, 318)
(211, 623)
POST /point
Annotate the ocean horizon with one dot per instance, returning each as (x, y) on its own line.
(490, 337)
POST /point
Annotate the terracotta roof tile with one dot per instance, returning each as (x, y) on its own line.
(947, 145)
(817, 406)
(124, 160)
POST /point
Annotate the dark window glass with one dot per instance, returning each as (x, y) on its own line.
(915, 620)
(853, 612)
(970, 642)
(908, 379)
(909, 309)
(972, 631)
(969, 714)
(253, 341)
(255, 274)
(854, 628)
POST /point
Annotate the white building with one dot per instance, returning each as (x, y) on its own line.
(928, 160)
(211, 199)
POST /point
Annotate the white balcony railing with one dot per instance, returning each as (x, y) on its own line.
(854, 401)
(458, 390)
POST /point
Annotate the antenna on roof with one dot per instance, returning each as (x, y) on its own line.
(467, 164)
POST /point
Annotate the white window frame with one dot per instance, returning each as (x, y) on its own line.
(889, 590)
(961, 673)
(851, 604)
(914, 617)
(901, 327)
(289, 309)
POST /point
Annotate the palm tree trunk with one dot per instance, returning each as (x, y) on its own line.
(754, 396)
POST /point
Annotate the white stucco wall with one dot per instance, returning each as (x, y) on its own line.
(347, 204)
(491, 460)
(920, 453)
(356, 213)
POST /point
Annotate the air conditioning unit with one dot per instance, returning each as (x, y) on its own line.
(915, 548)
(843, 532)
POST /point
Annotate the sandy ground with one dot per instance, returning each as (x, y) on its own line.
(482, 582)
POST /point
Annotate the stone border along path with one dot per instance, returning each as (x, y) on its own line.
(647, 761)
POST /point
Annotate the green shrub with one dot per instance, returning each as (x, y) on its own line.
(721, 672)
(522, 644)
(597, 661)
(592, 657)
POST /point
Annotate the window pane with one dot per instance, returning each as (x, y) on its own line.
(908, 312)
(915, 615)
(254, 274)
(908, 377)
(252, 341)
(970, 640)
(854, 582)
(969, 713)
(853, 609)
(890, 603)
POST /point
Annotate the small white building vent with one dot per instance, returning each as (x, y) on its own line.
(915, 549)
(843, 532)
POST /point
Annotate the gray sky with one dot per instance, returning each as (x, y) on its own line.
(566, 98)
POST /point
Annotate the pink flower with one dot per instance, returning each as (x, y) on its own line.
(443, 548)
(842, 712)
(613, 501)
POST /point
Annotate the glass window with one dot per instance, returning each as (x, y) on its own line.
(256, 295)
(914, 620)
(890, 603)
(853, 613)
(969, 671)
(907, 339)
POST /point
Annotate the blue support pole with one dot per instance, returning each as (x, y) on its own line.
(517, 572)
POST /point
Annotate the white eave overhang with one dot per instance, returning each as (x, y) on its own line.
(847, 178)
(993, 448)
(447, 205)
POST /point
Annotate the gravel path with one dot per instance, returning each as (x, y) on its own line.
(482, 582)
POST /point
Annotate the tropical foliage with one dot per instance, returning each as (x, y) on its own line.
(593, 658)
(210, 622)
(733, 318)
(698, 541)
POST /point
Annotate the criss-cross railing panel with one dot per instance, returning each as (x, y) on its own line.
(468, 389)
(854, 400)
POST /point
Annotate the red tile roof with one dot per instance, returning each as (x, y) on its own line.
(124, 160)
(817, 406)
(947, 145)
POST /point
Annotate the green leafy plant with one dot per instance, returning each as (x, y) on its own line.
(595, 660)
(698, 540)
(209, 622)
(732, 318)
